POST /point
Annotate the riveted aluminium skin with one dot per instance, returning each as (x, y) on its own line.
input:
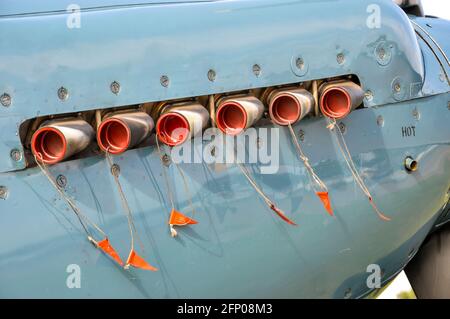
(253, 107)
(76, 133)
(195, 114)
(303, 98)
(351, 89)
(139, 126)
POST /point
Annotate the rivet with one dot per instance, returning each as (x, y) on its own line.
(16, 155)
(340, 58)
(343, 128)
(5, 99)
(256, 70)
(63, 94)
(348, 293)
(211, 75)
(416, 114)
(213, 151)
(301, 135)
(166, 160)
(381, 53)
(368, 95)
(397, 87)
(164, 80)
(61, 180)
(115, 87)
(380, 120)
(300, 63)
(3, 192)
(115, 170)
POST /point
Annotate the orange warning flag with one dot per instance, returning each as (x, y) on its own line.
(179, 219)
(138, 262)
(326, 201)
(106, 247)
(282, 215)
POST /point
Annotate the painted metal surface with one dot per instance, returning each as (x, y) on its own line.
(238, 249)
(135, 46)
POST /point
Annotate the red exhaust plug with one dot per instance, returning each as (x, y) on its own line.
(231, 118)
(48, 145)
(285, 110)
(172, 129)
(336, 103)
(113, 136)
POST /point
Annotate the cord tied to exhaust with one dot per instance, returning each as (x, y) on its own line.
(317, 184)
(104, 244)
(176, 218)
(333, 127)
(133, 258)
(266, 199)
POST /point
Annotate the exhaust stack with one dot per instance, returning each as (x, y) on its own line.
(180, 122)
(288, 106)
(123, 130)
(236, 114)
(57, 140)
(338, 99)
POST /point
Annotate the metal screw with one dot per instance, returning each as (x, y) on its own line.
(213, 151)
(16, 155)
(5, 99)
(342, 127)
(166, 160)
(61, 180)
(115, 170)
(301, 135)
(381, 53)
(348, 293)
(63, 94)
(256, 70)
(3, 192)
(300, 63)
(340, 58)
(416, 114)
(211, 75)
(115, 87)
(380, 120)
(368, 95)
(397, 87)
(164, 81)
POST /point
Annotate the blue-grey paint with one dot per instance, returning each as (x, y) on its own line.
(238, 249)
